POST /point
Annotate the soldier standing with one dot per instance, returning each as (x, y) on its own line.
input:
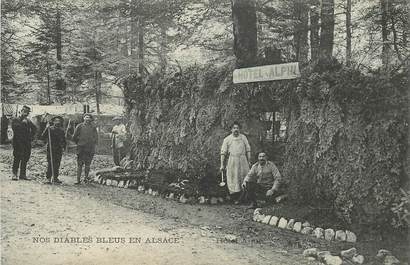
(23, 134)
(118, 138)
(56, 143)
(238, 150)
(86, 137)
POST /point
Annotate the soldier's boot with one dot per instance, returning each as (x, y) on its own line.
(14, 177)
(79, 170)
(57, 181)
(86, 173)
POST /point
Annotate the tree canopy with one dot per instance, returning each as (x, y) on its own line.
(60, 45)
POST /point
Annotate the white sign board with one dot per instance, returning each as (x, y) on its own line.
(266, 73)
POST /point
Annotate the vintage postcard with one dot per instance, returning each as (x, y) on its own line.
(166, 132)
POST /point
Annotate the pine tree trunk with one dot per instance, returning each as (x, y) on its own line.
(300, 33)
(118, 33)
(314, 32)
(245, 32)
(60, 84)
(97, 87)
(384, 8)
(327, 29)
(133, 33)
(48, 82)
(162, 52)
(348, 32)
(137, 37)
(141, 46)
(124, 37)
(395, 38)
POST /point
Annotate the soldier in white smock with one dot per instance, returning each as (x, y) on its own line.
(238, 150)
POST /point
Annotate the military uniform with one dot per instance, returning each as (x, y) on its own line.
(118, 138)
(23, 134)
(58, 144)
(86, 137)
(260, 179)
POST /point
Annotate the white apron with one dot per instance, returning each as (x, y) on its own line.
(238, 165)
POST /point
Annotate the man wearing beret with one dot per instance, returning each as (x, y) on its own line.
(86, 137)
(56, 144)
(23, 134)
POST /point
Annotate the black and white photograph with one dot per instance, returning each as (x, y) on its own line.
(204, 132)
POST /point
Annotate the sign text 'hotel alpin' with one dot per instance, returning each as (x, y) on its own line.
(266, 73)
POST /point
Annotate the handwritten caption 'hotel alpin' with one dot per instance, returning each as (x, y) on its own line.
(266, 73)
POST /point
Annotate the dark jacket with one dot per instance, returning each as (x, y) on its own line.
(86, 137)
(58, 142)
(23, 131)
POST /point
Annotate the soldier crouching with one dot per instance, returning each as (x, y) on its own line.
(262, 181)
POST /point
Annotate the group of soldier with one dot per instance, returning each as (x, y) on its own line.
(247, 182)
(244, 180)
(85, 136)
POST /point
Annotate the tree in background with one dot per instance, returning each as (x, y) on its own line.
(327, 27)
(9, 49)
(300, 35)
(386, 26)
(314, 30)
(137, 38)
(348, 9)
(245, 44)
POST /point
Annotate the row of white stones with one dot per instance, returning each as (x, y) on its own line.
(304, 228)
(173, 196)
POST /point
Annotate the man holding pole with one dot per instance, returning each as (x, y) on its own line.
(86, 137)
(56, 143)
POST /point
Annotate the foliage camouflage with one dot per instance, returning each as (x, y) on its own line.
(179, 122)
(347, 145)
(346, 137)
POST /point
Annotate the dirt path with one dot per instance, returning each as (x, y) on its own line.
(32, 210)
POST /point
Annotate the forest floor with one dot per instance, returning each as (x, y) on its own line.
(31, 210)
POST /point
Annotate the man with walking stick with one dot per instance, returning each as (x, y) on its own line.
(56, 144)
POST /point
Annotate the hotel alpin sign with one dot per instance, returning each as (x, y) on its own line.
(266, 73)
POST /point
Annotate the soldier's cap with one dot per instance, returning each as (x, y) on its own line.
(25, 107)
(89, 115)
(117, 118)
(57, 118)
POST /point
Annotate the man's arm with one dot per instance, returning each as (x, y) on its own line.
(222, 161)
(15, 128)
(247, 148)
(63, 140)
(76, 133)
(224, 151)
(33, 130)
(123, 130)
(95, 136)
(277, 177)
(252, 175)
(113, 132)
(44, 135)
